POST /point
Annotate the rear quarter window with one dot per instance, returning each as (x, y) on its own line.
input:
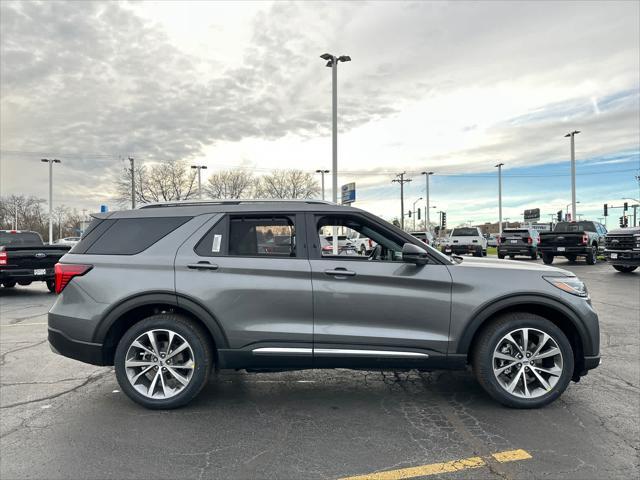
(127, 236)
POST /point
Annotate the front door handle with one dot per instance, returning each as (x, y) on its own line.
(340, 272)
(202, 266)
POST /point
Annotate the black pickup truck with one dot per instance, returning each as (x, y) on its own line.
(24, 258)
(622, 249)
(572, 240)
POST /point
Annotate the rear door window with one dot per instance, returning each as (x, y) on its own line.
(273, 236)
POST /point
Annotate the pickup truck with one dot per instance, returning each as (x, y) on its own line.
(466, 240)
(622, 249)
(24, 258)
(572, 240)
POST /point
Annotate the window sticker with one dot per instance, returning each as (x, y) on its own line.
(217, 241)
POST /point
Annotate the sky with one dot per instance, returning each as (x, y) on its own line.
(449, 87)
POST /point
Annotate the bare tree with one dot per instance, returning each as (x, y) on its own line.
(231, 184)
(27, 210)
(288, 184)
(160, 182)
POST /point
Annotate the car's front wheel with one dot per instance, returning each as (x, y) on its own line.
(523, 360)
(163, 361)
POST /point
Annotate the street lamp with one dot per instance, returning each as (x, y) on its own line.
(322, 172)
(499, 167)
(414, 213)
(199, 168)
(427, 217)
(50, 162)
(566, 208)
(573, 172)
(332, 61)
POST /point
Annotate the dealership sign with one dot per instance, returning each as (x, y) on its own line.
(348, 193)
(532, 215)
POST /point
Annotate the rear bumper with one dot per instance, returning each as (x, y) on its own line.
(83, 351)
(457, 249)
(25, 275)
(516, 249)
(576, 250)
(623, 257)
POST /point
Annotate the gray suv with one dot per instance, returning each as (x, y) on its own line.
(169, 292)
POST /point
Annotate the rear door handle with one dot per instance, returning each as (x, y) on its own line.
(340, 272)
(202, 266)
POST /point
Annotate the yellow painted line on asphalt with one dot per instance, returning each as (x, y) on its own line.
(440, 468)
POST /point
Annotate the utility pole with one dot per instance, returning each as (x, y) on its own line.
(500, 165)
(401, 180)
(199, 168)
(427, 217)
(51, 162)
(322, 172)
(573, 173)
(133, 183)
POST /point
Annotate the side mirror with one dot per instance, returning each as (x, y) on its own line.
(414, 254)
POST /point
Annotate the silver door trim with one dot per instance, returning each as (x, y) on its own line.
(282, 351)
(327, 352)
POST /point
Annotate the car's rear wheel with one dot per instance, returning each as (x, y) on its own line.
(592, 256)
(547, 258)
(523, 360)
(51, 285)
(501, 256)
(571, 258)
(625, 268)
(9, 284)
(534, 254)
(163, 361)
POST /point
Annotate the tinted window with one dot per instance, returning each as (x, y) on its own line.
(258, 236)
(20, 239)
(128, 236)
(465, 232)
(575, 227)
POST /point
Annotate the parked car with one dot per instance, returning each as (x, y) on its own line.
(518, 241)
(622, 249)
(572, 240)
(168, 292)
(425, 237)
(492, 240)
(362, 244)
(344, 248)
(67, 241)
(466, 240)
(24, 258)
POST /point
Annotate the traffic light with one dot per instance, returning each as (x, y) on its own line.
(409, 214)
(444, 219)
(626, 206)
(606, 210)
(623, 222)
(559, 216)
(418, 214)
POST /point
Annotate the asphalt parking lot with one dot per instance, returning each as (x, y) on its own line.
(63, 419)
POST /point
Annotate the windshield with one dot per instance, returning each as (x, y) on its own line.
(464, 232)
(27, 239)
(575, 227)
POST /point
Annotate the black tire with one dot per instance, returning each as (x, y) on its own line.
(9, 284)
(571, 258)
(501, 256)
(547, 258)
(486, 342)
(484, 253)
(51, 285)
(512, 257)
(197, 338)
(363, 251)
(592, 256)
(625, 268)
(534, 254)
(478, 252)
(24, 284)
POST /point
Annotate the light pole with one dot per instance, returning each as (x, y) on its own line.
(427, 217)
(50, 162)
(573, 172)
(499, 166)
(199, 168)
(322, 172)
(414, 213)
(332, 61)
(566, 209)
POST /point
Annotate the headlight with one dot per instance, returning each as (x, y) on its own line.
(569, 284)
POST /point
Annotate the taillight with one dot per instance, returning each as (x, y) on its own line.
(64, 272)
(370, 244)
(529, 240)
(3, 258)
(585, 239)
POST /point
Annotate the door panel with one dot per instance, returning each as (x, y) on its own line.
(259, 302)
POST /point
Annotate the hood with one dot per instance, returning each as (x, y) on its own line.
(496, 263)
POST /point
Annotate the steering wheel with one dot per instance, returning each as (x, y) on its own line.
(375, 253)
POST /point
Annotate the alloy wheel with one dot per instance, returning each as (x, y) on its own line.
(527, 363)
(159, 364)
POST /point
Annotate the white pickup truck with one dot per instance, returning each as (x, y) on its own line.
(466, 240)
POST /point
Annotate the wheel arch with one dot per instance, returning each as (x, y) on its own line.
(133, 309)
(553, 310)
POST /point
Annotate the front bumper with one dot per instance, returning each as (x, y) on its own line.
(83, 351)
(628, 258)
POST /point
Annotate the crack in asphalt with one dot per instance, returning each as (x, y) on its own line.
(31, 345)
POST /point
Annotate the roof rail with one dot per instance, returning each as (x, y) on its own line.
(196, 203)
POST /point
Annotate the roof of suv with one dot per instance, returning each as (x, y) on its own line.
(191, 208)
